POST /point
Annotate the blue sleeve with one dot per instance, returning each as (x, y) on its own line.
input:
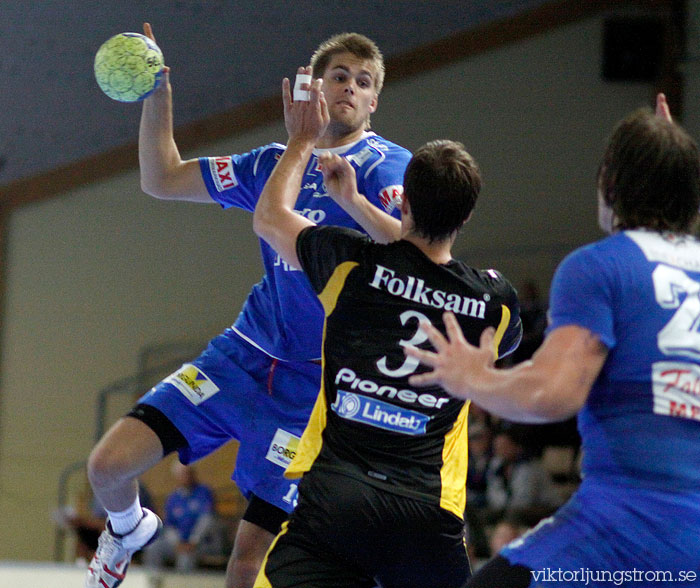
(381, 180)
(581, 294)
(237, 180)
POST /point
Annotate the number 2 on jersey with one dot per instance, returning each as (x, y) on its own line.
(681, 335)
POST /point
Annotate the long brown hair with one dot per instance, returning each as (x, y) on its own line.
(650, 174)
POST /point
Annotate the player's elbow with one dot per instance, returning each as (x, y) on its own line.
(261, 221)
(549, 404)
(155, 187)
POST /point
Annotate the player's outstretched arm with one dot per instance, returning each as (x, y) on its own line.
(163, 172)
(274, 219)
(341, 183)
(552, 386)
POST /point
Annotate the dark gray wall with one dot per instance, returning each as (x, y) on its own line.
(222, 52)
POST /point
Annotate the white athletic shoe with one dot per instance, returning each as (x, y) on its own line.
(108, 566)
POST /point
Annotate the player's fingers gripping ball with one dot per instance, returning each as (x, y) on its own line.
(128, 67)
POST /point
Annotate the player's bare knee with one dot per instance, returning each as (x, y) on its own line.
(105, 465)
(127, 450)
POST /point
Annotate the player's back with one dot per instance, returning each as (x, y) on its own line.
(642, 419)
(378, 426)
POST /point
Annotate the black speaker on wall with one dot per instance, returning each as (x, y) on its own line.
(633, 49)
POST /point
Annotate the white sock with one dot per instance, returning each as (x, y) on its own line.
(125, 521)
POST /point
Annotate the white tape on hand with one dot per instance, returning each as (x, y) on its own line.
(299, 94)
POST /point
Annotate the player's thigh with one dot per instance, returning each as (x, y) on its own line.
(420, 545)
(267, 449)
(215, 397)
(251, 543)
(127, 449)
(249, 548)
(295, 560)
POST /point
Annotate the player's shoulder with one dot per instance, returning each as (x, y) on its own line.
(321, 248)
(601, 262)
(265, 157)
(487, 281)
(274, 150)
(372, 150)
(601, 252)
(493, 279)
(271, 151)
(333, 234)
(382, 146)
(667, 247)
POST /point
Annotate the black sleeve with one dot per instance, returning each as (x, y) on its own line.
(321, 249)
(514, 333)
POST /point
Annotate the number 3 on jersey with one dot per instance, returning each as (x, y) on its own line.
(681, 335)
(411, 363)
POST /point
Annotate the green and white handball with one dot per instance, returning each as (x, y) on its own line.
(128, 67)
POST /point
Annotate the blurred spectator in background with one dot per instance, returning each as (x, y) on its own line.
(533, 313)
(480, 453)
(515, 479)
(507, 529)
(191, 528)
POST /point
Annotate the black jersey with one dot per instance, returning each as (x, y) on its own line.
(368, 421)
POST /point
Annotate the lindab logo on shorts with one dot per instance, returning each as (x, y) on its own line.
(283, 448)
(193, 383)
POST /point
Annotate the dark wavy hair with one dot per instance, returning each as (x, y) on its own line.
(650, 174)
(441, 184)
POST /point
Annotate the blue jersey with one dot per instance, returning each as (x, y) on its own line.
(282, 315)
(636, 516)
(639, 292)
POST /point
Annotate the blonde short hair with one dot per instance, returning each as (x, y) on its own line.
(355, 44)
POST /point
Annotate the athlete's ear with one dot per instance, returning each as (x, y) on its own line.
(404, 207)
(373, 105)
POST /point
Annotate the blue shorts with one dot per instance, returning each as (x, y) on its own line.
(235, 391)
(613, 534)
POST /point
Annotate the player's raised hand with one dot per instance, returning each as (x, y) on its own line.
(338, 177)
(455, 362)
(305, 120)
(662, 109)
(164, 85)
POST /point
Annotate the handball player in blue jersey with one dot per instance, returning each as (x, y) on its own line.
(257, 381)
(622, 351)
